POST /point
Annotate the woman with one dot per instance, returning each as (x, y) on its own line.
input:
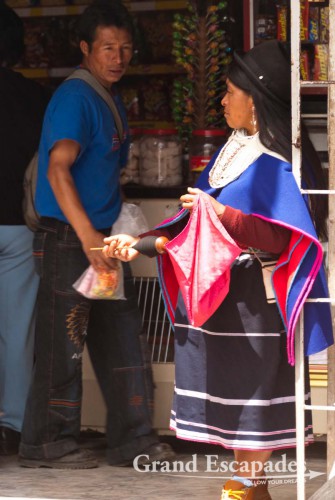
(234, 374)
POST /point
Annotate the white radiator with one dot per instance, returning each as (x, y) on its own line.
(160, 341)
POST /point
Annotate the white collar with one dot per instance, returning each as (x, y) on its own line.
(239, 152)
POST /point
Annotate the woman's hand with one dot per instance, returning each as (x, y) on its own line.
(120, 247)
(188, 201)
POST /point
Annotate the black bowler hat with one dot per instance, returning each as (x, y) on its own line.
(268, 66)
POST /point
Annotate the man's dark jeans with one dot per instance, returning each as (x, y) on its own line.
(112, 330)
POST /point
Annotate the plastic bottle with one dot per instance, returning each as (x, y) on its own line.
(203, 144)
(131, 173)
(160, 158)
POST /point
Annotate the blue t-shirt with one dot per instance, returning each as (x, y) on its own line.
(77, 112)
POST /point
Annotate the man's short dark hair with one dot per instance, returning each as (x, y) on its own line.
(11, 36)
(103, 13)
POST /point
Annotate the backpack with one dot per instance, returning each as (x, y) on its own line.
(30, 213)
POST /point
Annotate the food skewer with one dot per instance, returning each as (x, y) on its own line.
(117, 248)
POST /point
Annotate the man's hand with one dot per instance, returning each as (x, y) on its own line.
(97, 259)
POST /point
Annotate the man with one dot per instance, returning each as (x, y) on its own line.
(22, 105)
(78, 197)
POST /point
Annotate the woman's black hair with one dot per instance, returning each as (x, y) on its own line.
(103, 13)
(11, 36)
(274, 124)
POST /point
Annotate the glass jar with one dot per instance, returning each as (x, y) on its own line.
(160, 158)
(130, 174)
(202, 146)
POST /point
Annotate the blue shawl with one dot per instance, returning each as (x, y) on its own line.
(267, 189)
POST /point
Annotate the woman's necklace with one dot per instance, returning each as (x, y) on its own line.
(234, 158)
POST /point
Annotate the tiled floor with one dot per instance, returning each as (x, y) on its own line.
(198, 480)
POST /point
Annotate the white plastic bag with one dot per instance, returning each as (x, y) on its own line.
(131, 221)
(107, 285)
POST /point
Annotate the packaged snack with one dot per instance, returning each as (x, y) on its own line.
(155, 99)
(156, 41)
(35, 41)
(282, 23)
(324, 24)
(265, 27)
(107, 285)
(130, 99)
(313, 23)
(320, 62)
(304, 6)
(304, 65)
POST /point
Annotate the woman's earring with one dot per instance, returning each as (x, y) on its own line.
(253, 120)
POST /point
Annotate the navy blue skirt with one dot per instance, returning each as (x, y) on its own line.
(234, 386)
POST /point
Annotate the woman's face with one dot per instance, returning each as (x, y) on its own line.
(238, 108)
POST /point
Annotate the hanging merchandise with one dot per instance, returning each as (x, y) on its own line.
(201, 45)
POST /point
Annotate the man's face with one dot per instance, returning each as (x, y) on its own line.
(110, 54)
